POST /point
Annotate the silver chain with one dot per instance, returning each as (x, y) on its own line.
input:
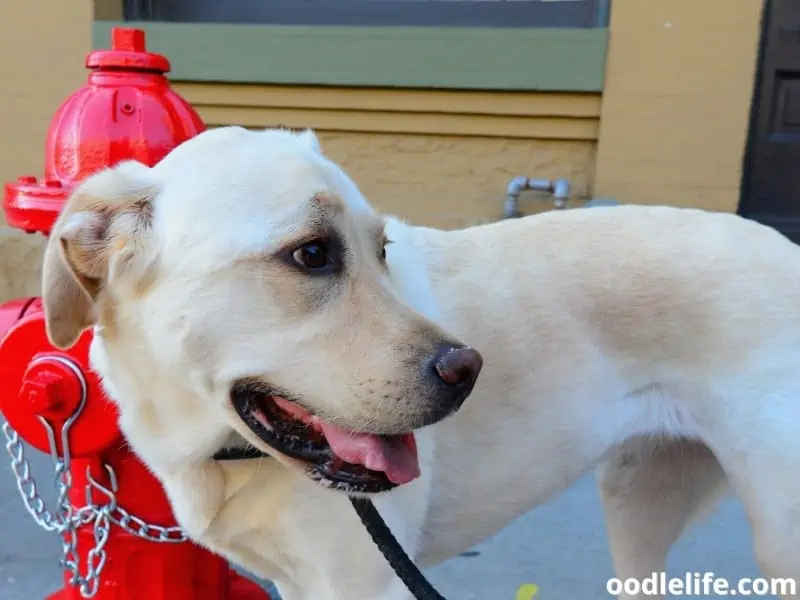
(66, 519)
(138, 527)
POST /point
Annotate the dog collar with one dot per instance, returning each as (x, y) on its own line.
(239, 453)
(401, 563)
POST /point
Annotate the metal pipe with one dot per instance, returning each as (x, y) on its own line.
(558, 187)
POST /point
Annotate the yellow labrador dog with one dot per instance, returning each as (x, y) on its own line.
(243, 291)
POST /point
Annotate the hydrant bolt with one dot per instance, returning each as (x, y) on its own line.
(51, 388)
(42, 392)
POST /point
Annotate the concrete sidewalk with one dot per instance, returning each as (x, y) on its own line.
(560, 547)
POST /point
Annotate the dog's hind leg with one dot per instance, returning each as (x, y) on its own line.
(776, 537)
(651, 489)
(754, 434)
(761, 454)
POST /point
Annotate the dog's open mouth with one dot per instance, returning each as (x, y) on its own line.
(345, 460)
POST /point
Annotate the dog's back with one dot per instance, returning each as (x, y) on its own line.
(600, 325)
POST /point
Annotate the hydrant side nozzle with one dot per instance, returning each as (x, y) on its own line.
(53, 387)
(42, 393)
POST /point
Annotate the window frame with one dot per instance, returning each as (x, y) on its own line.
(547, 59)
(384, 13)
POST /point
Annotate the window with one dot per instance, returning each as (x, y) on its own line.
(377, 13)
(512, 45)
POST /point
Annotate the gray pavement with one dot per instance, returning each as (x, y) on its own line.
(561, 547)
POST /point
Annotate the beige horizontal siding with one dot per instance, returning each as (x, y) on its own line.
(485, 114)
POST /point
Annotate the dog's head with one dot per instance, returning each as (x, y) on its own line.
(242, 285)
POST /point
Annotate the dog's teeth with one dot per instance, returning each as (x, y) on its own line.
(259, 416)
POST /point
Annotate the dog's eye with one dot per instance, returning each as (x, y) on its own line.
(313, 255)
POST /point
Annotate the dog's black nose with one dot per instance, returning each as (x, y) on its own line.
(457, 366)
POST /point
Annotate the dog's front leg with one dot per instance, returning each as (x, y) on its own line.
(651, 490)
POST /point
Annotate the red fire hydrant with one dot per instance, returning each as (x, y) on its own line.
(120, 538)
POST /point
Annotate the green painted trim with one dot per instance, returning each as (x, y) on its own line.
(554, 60)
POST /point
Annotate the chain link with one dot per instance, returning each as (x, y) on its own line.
(147, 531)
(67, 519)
(26, 484)
(96, 558)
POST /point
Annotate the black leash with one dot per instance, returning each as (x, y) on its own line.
(391, 549)
(377, 528)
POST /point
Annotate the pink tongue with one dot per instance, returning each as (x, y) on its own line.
(395, 456)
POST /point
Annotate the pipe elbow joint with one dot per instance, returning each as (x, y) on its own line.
(561, 193)
(516, 185)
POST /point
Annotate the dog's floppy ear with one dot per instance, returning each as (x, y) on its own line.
(100, 235)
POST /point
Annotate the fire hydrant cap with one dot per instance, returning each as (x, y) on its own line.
(128, 52)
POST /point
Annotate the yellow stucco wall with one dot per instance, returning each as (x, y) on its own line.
(433, 157)
(43, 45)
(449, 181)
(679, 82)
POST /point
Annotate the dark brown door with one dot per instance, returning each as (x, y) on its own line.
(771, 176)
